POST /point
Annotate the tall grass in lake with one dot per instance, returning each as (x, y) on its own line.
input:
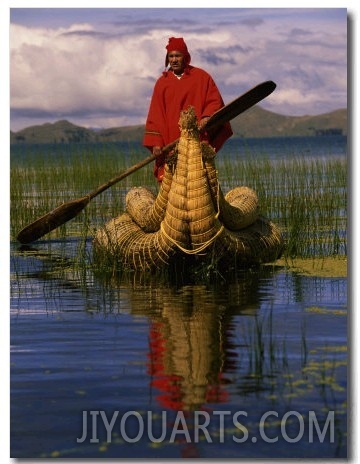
(306, 197)
(44, 176)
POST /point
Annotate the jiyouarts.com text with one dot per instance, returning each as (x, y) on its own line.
(217, 426)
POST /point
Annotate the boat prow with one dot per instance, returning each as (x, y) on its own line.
(190, 215)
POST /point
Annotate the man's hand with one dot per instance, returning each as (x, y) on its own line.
(156, 151)
(203, 122)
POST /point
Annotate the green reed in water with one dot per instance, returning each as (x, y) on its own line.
(305, 197)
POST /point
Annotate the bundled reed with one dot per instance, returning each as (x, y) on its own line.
(190, 215)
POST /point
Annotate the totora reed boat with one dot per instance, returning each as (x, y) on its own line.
(190, 216)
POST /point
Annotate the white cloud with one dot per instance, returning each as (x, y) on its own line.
(104, 73)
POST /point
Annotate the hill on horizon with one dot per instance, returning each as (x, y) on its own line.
(256, 122)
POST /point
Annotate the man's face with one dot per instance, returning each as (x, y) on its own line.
(176, 61)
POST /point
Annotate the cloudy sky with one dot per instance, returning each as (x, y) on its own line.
(97, 67)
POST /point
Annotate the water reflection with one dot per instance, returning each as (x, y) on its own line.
(192, 346)
(265, 339)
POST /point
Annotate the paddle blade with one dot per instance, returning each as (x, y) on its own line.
(241, 104)
(52, 220)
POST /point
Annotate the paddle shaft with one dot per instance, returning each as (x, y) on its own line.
(69, 210)
(129, 171)
(223, 115)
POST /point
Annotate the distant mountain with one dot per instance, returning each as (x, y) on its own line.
(65, 132)
(256, 122)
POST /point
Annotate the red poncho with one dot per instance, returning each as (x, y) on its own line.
(172, 95)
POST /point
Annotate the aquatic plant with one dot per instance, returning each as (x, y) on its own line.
(306, 197)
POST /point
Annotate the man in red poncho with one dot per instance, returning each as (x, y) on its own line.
(179, 87)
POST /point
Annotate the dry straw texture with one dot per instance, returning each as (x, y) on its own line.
(190, 215)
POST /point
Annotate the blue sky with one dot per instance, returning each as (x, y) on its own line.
(97, 67)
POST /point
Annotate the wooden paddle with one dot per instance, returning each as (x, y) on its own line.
(70, 209)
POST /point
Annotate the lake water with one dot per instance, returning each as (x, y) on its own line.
(273, 148)
(253, 365)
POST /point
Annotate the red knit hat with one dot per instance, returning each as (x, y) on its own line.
(177, 44)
